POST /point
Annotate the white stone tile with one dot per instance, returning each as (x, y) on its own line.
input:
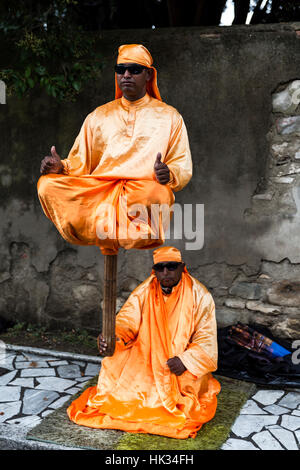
(44, 371)
(30, 364)
(284, 436)
(85, 379)
(297, 434)
(266, 441)
(9, 393)
(251, 408)
(6, 378)
(73, 390)
(27, 421)
(7, 410)
(55, 362)
(275, 409)
(7, 362)
(238, 444)
(34, 357)
(36, 401)
(54, 383)
(296, 413)
(291, 400)
(290, 422)
(70, 371)
(58, 403)
(245, 425)
(27, 383)
(46, 413)
(268, 397)
(92, 369)
(79, 363)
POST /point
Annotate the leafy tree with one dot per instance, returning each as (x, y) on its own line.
(44, 46)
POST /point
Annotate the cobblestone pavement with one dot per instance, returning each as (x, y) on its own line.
(33, 383)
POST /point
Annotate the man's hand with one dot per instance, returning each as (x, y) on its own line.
(102, 345)
(176, 366)
(51, 164)
(161, 170)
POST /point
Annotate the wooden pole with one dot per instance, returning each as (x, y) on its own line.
(109, 302)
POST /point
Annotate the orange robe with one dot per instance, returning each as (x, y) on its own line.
(136, 390)
(114, 156)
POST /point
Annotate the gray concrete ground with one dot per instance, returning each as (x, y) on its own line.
(35, 382)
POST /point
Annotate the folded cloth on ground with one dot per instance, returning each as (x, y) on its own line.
(252, 353)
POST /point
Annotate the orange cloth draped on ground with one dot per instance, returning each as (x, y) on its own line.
(136, 390)
(113, 156)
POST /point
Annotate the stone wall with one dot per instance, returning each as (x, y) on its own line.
(238, 91)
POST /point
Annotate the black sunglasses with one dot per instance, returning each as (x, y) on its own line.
(133, 69)
(171, 266)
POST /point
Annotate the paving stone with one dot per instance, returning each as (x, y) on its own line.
(291, 400)
(275, 409)
(268, 397)
(58, 403)
(79, 363)
(9, 393)
(69, 372)
(28, 383)
(73, 390)
(288, 125)
(86, 378)
(55, 362)
(238, 444)
(6, 378)
(251, 408)
(296, 412)
(34, 357)
(44, 371)
(30, 364)
(266, 441)
(36, 401)
(297, 434)
(54, 383)
(245, 425)
(46, 413)
(27, 421)
(7, 362)
(9, 410)
(92, 369)
(290, 422)
(286, 438)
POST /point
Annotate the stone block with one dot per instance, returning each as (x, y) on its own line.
(262, 308)
(287, 100)
(235, 303)
(246, 290)
(286, 293)
(288, 125)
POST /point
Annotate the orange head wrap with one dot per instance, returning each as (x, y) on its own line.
(138, 54)
(165, 254)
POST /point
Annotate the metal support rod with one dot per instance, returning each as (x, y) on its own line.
(109, 302)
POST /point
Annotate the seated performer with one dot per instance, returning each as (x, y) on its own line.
(159, 378)
(135, 147)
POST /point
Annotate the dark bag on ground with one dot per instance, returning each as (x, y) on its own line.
(252, 353)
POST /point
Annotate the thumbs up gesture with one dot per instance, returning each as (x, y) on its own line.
(51, 164)
(161, 170)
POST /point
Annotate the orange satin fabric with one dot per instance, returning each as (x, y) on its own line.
(113, 156)
(166, 254)
(138, 54)
(136, 390)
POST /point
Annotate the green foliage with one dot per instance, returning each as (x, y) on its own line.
(46, 48)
